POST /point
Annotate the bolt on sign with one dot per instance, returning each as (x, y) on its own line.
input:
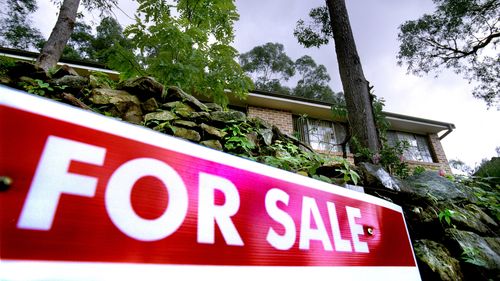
(93, 198)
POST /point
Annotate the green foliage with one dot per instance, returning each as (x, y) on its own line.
(489, 169)
(38, 87)
(446, 214)
(314, 81)
(322, 178)
(317, 32)
(16, 30)
(418, 170)
(381, 122)
(460, 35)
(349, 173)
(186, 46)
(5, 64)
(288, 156)
(389, 156)
(102, 79)
(486, 193)
(236, 140)
(472, 255)
(269, 65)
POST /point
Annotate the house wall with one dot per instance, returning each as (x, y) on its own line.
(279, 118)
(284, 121)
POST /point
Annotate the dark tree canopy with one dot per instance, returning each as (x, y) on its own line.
(99, 47)
(271, 68)
(16, 30)
(318, 31)
(314, 80)
(461, 35)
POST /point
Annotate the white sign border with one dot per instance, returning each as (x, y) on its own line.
(45, 270)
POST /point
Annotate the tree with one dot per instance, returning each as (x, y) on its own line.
(54, 47)
(314, 81)
(269, 65)
(333, 21)
(16, 30)
(108, 39)
(186, 45)
(461, 35)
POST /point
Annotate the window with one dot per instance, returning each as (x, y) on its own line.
(419, 146)
(320, 134)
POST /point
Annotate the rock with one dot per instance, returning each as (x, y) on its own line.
(187, 134)
(213, 131)
(100, 80)
(215, 144)
(63, 71)
(429, 183)
(72, 82)
(143, 87)
(378, 174)
(163, 115)
(149, 105)
(472, 218)
(480, 251)
(213, 106)
(436, 262)
(179, 108)
(260, 123)
(23, 68)
(228, 116)
(200, 116)
(123, 104)
(175, 94)
(5, 80)
(267, 135)
(185, 123)
(252, 137)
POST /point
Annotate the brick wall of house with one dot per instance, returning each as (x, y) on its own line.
(280, 118)
(284, 121)
(438, 152)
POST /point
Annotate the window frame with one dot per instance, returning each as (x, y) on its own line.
(303, 128)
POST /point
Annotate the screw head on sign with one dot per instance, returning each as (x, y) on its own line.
(5, 183)
(369, 230)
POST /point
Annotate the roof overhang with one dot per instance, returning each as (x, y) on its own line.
(81, 67)
(322, 110)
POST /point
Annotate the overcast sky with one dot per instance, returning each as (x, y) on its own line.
(375, 26)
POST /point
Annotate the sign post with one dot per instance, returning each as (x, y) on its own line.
(95, 198)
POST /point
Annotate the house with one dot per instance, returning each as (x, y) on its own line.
(312, 121)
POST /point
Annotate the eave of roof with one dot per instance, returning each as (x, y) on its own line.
(322, 110)
(81, 66)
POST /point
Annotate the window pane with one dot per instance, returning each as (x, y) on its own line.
(418, 146)
(320, 134)
(423, 148)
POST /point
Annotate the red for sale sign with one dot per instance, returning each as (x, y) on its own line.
(93, 198)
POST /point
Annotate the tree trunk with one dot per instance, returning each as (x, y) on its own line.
(53, 48)
(357, 95)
